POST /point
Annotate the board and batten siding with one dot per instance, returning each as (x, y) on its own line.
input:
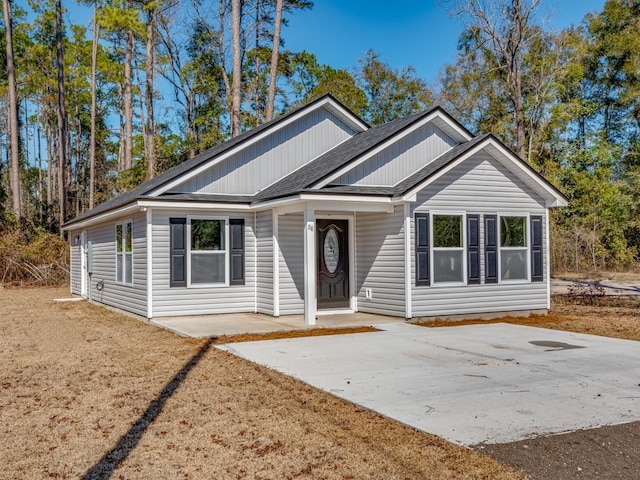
(264, 262)
(380, 262)
(400, 159)
(131, 298)
(75, 260)
(291, 263)
(174, 301)
(480, 185)
(272, 158)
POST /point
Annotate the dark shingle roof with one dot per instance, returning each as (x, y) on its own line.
(174, 172)
(437, 164)
(301, 180)
(338, 157)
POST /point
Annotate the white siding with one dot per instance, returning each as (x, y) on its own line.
(380, 262)
(479, 185)
(401, 159)
(131, 298)
(291, 263)
(270, 159)
(76, 263)
(264, 262)
(170, 301)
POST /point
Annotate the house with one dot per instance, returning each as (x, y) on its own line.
(316, 212)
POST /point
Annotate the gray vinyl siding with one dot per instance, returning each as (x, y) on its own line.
(401, 159)
(264, 262)
(291, 263)
(76, 264)
(480, 185)
(270, 159)
(380, 262)
(131, 298)
(172, 301)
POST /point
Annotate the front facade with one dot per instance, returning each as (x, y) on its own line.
(316, 213)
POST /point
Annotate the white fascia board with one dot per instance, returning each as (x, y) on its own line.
(551, 196)
(346, 116)
(429, 118)
(192, 205)
(514, 165)
(296, 203)
(119, 212)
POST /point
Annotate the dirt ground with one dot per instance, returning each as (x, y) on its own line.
(92, 394)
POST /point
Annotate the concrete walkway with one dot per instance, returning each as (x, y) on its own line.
(474, 384)
(205, 326)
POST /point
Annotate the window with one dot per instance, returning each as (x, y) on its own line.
(448, 249)
(514, 251)
(124, 252)
(207, 251)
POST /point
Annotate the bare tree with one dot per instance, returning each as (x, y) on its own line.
(271, 94)
(236, 98)
(504, 27)
(14, 142)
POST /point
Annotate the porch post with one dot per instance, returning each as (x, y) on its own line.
(309, 266)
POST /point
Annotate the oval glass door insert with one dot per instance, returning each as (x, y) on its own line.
(331, 250)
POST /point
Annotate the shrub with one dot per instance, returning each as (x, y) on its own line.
(40, 259)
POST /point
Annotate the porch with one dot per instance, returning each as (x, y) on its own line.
(204, 326)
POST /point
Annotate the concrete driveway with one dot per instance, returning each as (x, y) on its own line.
(474, 384)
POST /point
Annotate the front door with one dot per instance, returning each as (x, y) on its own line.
(333, 263)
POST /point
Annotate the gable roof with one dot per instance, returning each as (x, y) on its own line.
(309, 178)
(339, 156)
(148, 187)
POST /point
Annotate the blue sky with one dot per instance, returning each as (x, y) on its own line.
(404, 32)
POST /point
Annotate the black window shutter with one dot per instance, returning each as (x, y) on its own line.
(422, 249)
(236, 251)
(177, 253)
(536, 248)
(473, 249)
(490, 249)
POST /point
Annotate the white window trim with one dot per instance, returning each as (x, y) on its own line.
(462, 249)
(226, 251)
(123, 223)
(527, 226)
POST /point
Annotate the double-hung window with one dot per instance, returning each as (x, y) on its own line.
(514, 248)
(124, 252)
(448, 248)
(208, 260)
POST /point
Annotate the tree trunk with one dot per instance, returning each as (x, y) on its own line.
(13, 124)
(50, 175)
(62, 120)
(149, 78)
(271, 94)
(236, 12)
(128, 103)
(92, 134)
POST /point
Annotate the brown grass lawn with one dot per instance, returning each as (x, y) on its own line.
(89, 393)
(621, 321)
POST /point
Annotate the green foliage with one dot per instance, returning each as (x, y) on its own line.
(391, 94)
